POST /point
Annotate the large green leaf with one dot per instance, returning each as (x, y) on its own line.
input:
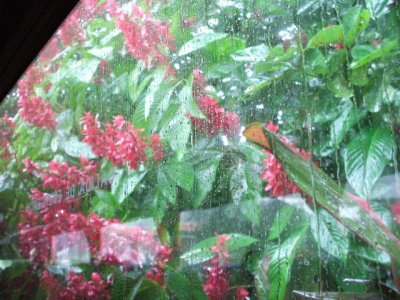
(105, 204)
(348, 117)
(385, 49)
(331, 235)
(202, 251)
(185, 285)
(159, 77)
(125, 285)
(251, 54)
(366, 157)
(127, 184)
(75, 148)
(283, 217)
(281, 257)
(378, 8)
(354, 22)
(180, 172)
(238, 183)
(327, 35)
(205, 174)
(200, 41)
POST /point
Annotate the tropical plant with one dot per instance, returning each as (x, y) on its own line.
(126, 172)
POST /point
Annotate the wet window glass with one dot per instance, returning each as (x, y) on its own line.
(216, 149)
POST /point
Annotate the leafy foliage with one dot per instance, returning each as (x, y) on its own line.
(150, 97)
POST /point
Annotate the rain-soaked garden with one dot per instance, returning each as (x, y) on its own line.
(206, 149)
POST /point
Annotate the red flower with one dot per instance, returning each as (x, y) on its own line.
(70, 30)
(157, 273)
(120, 142)
(188, 22)
(157, 147)
(396, 211)
(146, 38)
(60, 177)
(241, 293)
(76, 288)
(49, 51)
(37, 112)
(6, 132)
(33, 76)
(278, 182)
(217, 283)
(216, 117)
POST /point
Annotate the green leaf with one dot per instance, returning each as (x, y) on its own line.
(75, 148)
(378, 8)
(347, 119)
(252, 207)
(127, 184)
(281, 258)
(331, 235)
(359, 76)
(180, 172)
(370, 253)
(151, 290)
(340, 87)
(102, 53)
(383, 50)
(105, 204)
(238, 183)
(325, 36)
(124, 285)
(158, 78)
(201, 252)
(186, 98)
(185, 285)
(221, 49)
(177, 129)
(366, 157)
(166, 186)
(315, 63)
(359, 51)
(374, 98)
(200, 42)
(282, 219)
(251, 54)
(354, 22)
(205, 174)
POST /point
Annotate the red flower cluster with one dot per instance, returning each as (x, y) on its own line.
(6, 132)
(157, 147)
(37, 112)
(37, 229)
(147, 39)
(76, 288)
(163, 256)
(60, 177)
(217, 284)
(216, 117)
(278, 182)
(120, 142)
